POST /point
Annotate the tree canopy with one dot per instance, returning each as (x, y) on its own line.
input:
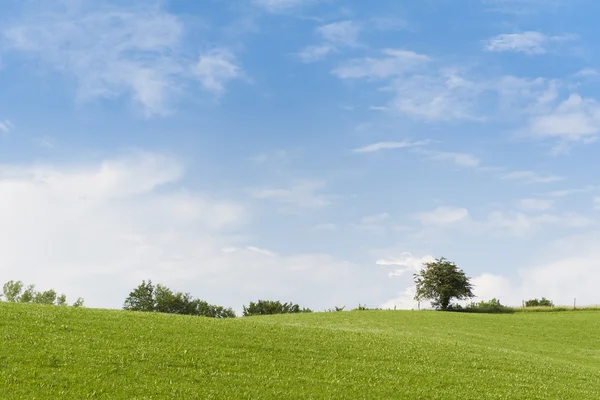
(440, 281)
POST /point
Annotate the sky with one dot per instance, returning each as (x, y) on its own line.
(313, 151)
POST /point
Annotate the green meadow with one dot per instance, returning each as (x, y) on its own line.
(49, 352)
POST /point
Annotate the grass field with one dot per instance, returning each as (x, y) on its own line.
(49, 352)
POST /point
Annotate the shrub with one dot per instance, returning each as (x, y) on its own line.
(270, 307)
(149, 298)
(543, 302)
(492, 306)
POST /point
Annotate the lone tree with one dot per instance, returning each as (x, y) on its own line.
(441, 281)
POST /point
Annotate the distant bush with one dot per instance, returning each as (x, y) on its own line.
(492, 306)
(335, 309)
(543, 302)
(270, 307)
(149, 298)
(13, 292)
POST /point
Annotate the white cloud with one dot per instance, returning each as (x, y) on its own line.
(596, 201)
(586, 73)
(216, 68)
(133, 56)
(5, 126)
(129, 50)
(530, 177)
(570, 192)
(444, 96)
(335, 35)
(488, 286)
(395, 62)
(404, 301)
(521, 224)
(536, 204)
(258, 250)
(406, 262)
(529, 42)
(574, 119)
(460, 159)
(303, 194)
(315, 53)
(342, 33)
(390, 145)
(444, 215)
(417, 89)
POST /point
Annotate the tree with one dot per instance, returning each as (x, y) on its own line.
(61, 300)
(78, 303)
(28, 295)
(47, 297)
(12, 291)
(203, 309)
(141, 298)
(441, 281)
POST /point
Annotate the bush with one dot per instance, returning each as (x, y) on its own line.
(492, 307)
(149, 298)
(270, 307)
(543, 302)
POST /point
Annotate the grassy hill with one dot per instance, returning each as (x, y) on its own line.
(51, 352)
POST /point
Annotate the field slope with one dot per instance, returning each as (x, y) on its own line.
(55, 352)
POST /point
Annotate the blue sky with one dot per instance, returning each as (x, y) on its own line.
(317, 151)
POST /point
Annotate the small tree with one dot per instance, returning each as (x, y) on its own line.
(78, 303)
(12, 291)
(441, 281)
(61, 300)
(28, 295)
(141, 298)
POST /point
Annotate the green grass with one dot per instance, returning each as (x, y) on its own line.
(51, 352)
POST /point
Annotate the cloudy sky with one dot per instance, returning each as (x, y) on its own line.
(316, 151)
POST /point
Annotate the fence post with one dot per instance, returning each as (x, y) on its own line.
(574, 303)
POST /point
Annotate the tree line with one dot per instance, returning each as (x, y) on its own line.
(439, 281)
(12, 291)
(148, 297)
